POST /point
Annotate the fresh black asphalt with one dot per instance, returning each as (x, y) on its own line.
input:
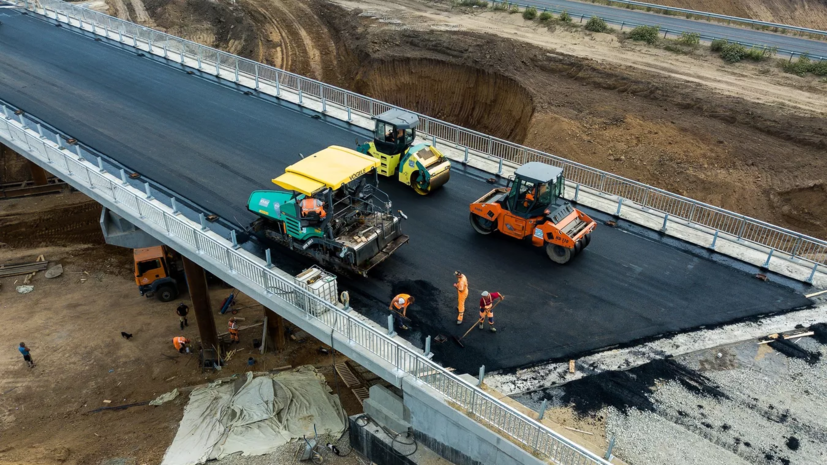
(214, 145)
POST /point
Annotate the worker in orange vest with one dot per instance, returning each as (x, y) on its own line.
(487, 308)
(401, 303)
(462, 294)
(232, 325)
(181, 344)
(311, 205)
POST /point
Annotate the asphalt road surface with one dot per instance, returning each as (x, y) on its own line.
(678, 24)
(214, 145)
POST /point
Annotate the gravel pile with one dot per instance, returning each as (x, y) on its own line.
(773, 411)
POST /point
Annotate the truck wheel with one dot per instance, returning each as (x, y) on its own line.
(167, 293)
(558, 254)
(482, 225)
(579, 246)
(587, 240)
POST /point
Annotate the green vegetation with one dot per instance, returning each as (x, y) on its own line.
(500, 6)
(545, 16)
(514, 9)
(733, 53)
(690, 39)
(718, 44)
(530, 13)
(565, 17)
(648, 34)
(596, 24)
(805, 65)
(473, 3)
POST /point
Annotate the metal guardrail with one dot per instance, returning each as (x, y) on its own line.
(231, 67)
(78, 165)
(582, 16)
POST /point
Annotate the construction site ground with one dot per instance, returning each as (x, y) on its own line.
(73, 325)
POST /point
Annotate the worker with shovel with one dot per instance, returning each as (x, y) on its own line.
(462, 294)
(487, 303)
(181, 344)
(399, 306)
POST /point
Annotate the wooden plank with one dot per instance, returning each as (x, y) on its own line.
(27, 268)
(347, 376)
(361, 394)
(792, 336)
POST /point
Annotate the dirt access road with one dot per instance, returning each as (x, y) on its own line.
(73, 324)
(747, 137)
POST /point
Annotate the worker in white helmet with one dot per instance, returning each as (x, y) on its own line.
(487, 302)
(399, 305)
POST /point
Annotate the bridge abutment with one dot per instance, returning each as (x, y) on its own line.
(197, 284)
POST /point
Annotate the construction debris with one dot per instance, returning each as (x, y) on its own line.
(24, 289)
(54, 272)
(164, 398)
(25, 268)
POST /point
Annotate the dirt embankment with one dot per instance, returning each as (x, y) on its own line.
(804, 13)
(754, 158)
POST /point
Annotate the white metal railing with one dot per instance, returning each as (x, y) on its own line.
(79, 166)
(790, 244)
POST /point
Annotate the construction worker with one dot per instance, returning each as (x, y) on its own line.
(181, 344)
(26, 354)
(462, 294)
(232, 325)
(182, 311)
(314, 207)
(487, 308)
(401, 303)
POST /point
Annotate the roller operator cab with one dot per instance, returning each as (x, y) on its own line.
(331, 210)
(533, 208)
(420, 166)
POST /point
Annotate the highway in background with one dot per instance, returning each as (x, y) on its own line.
(678, 24)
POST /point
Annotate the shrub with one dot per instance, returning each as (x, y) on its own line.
(514, 9)
(733, 53)
(545, 16)
(473, 3)
(530, 13)
(500, 6)
(565, 17)
(596, 24)
(718, 44)
(648, 34)
(819, 69)
(691, 39)
(758, 54)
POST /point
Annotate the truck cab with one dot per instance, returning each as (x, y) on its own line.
(155, 268)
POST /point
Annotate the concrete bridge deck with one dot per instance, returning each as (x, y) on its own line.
(214, 145)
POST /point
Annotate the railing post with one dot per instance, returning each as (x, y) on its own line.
(174, 206)
(278, 86)
(123, 177)
(576, 191)
(269, 258)
(256, 76)
(236, 70)
(40, 130)
(234, 239)
(714, 240)
(148, 191)
(100, 165)
(203, 220)
(324, 102)
(300, 93)
(500, 168)
(743, 227)
(6, 112)
(691, 213)
(542, 409)
(390, 326)
(798, 241)
(619, 205)
(196, 241)
(465, 159)
(77, 151)
(229, 261)
(200, 53)
(608, 455)
(812, 273)
(348, 115)
(428, 346)
(766, 265)
(482, 375)
(665, 219)
(218, 65)
(166, 43)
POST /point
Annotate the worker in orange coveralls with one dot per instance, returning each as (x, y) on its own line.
(462, 294)
(232, 326)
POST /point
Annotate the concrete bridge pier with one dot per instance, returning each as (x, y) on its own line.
(275, 330)
(39, 175)
(197, 284)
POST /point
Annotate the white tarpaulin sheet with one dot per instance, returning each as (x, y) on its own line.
(254, 416)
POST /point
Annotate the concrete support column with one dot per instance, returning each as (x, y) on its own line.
(275, 330)
(39, 175)
(197, 283)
